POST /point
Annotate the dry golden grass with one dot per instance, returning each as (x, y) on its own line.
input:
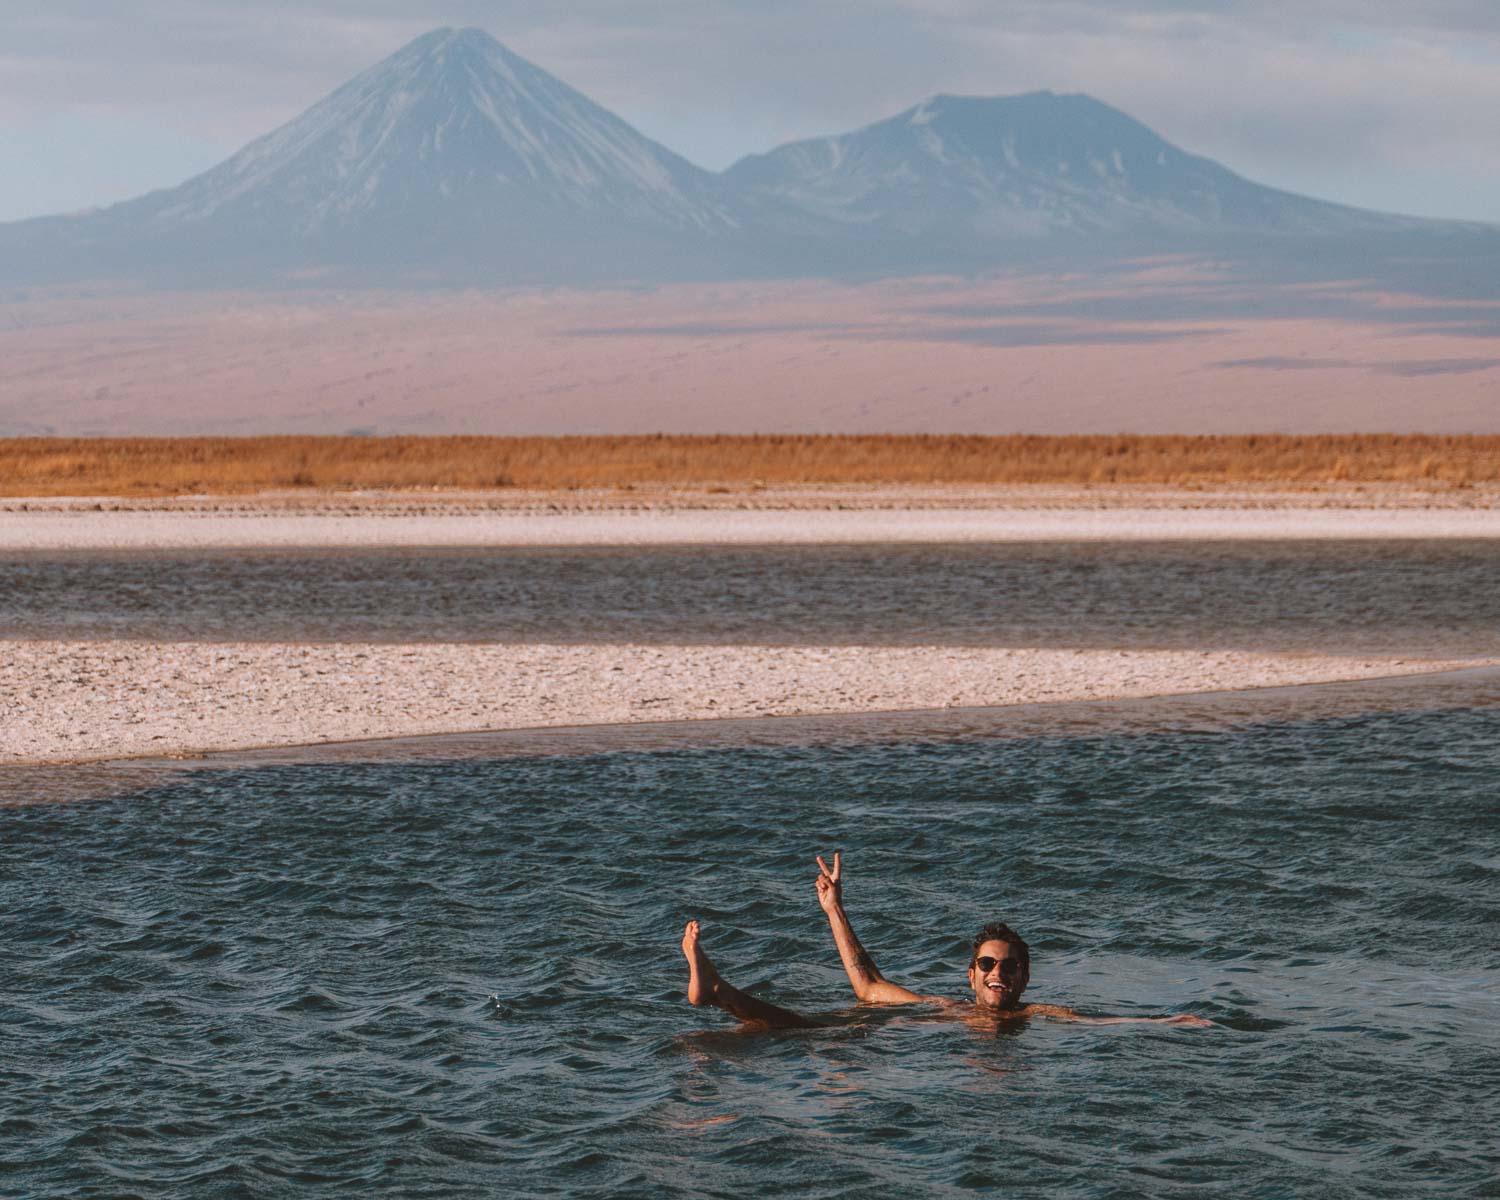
(227, 466)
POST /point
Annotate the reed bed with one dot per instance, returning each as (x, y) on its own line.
(233, 466)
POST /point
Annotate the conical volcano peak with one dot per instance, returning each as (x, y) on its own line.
(453, 140)
(448, 43)
(463, 59)
(469, 35)
(457, 49)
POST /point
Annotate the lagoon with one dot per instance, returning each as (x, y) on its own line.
(460, 976)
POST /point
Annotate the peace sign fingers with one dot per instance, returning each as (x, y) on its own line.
(830, 891)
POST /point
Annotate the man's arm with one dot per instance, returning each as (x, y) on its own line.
(864, 976)
(1058, 1013)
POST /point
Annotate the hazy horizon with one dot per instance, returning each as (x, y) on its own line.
(1169, 348)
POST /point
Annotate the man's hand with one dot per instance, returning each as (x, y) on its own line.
(864, 977)
(1190, 1019)
(830, 891)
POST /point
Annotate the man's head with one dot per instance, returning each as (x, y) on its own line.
(999, 966)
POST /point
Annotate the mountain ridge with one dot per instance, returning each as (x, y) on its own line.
(455, 158)
(1038, 161)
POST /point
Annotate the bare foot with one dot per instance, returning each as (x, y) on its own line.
(702, 977)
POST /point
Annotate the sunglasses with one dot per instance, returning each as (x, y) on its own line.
(986, 964)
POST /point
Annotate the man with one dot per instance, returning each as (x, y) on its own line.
(999, 971)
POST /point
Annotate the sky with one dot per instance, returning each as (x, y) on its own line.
(1386, 104)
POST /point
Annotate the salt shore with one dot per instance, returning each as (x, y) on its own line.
(73, 530)
(86, 700)
(748, 515)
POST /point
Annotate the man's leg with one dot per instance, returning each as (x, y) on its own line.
(706, 987)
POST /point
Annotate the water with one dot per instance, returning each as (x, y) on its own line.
(1363, 597)
(461, 977)
(455, 973)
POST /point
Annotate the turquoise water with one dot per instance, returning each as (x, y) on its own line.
(461, 977)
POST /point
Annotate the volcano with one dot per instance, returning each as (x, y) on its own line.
(452, 157)
(456, 161)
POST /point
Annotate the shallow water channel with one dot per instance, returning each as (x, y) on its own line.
(1435, 598)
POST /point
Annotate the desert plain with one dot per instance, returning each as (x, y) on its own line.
(1171, 345)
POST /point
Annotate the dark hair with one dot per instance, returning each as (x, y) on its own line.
(999, 931)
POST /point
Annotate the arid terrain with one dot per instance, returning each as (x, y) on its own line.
(1172, 348)
(765, 471)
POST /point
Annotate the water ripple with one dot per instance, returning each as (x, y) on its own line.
(461, 978)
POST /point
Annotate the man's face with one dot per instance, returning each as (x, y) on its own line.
(997, 977)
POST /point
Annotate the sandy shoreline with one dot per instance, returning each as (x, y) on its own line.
(86, 700)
